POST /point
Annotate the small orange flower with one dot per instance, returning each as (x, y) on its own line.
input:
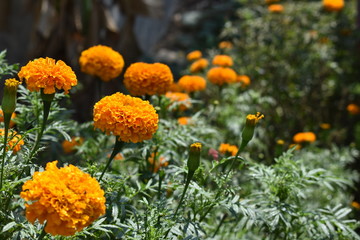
(159, 162)
(101, 61)
(192, 83)
(221, 75)
(69, 146)
(226, 148)
(225, 45)
(47, 74)
(14, 140)
(199, 65)
(325, 126)
(180, 99)
(333, 5)
(129, 118)
(280, 142)
(353, 109)
(297, 146)
(253, 119)
(148, 79)
(276, 8)
(184, 120)
(304, 137)
(194, 55)
(13, 116)
(355, 205)
(223, 61)
(66, 198)
(244, 80)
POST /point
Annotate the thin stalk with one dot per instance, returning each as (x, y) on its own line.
(117, 147)
(190, 175)
(42, 234)
(220, 224)
(7, 118)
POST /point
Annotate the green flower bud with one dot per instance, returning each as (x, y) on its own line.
(194, 157)
(248, 131)
(8, 104)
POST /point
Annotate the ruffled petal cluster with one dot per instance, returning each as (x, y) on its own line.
(304, 137)
(49, 75)
(101, 61)
(148, 79)
(194, 55)
(15, 140)
(221, 75)
(333, 5)
(222, 60)
(181, 100)
(129, 118)
(199, 65)
(190, 83)
(229, 149)
(66, 198)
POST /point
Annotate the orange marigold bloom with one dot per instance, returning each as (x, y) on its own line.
(325, 126)
(148, 79)
(243, 79)
(66, 198)
(69, 146)
(101, 61)
(333, 5)
(194, 55)
(182, 100)
(353, 109)
(276, 8)
(129, 118)
(14, 140)
(252, 119)
(223, 61)
(225, 45)
(226, 148)
(221, 75)
(184, 120)
(356, 205)
(304, 137)
(199, 65)
(190, 83)
(47, 74)
(159, 162)
(13, 115)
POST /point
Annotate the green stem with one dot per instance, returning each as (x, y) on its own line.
(42, 234)
(189, 177)
(7, 118)
(220, 224)
(117, 147)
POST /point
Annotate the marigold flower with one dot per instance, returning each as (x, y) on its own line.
(13, 116)
(243, 79)
(297, 146)
(159, 162)
(14, 140)
(280, 142)
(355, 205)
(101, 61)
(353, 109)
(69, 146)
(225, 45)
(47, 74)
(276, 8)
(184, 120)
(325, 126)
(129, 118)
(190, 83)
(226, 148)
(252, 119)
(194, 55)
(333, 5)
(193, 162)
(304, 137)
(221, 75)
(66, 198)
(182, 99)
(199, 65)
(148, 79)
(222, 60)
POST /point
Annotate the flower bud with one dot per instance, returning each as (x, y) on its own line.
(9, 99)
(248, 131)
(194, 157)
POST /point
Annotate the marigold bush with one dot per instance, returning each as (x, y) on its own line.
(101, 61)
(148, 79)
(66, 198)
(128, 118)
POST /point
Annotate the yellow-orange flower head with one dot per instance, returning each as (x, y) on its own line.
(199, 65)
(244, 80)
(353, 109)
(181, 99)
(190, 83)
(333, 5)
(221, 75)
(129, 118)
(14, 140)
(225, 45)
(101, 61)
(47, 74)
(276, 8)
(69, 146)
(304, 137)
(66, 198)
(223, 61)
(226, 148)
(148, 79)
(184, 120)
(194, 55)
(252, 119)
